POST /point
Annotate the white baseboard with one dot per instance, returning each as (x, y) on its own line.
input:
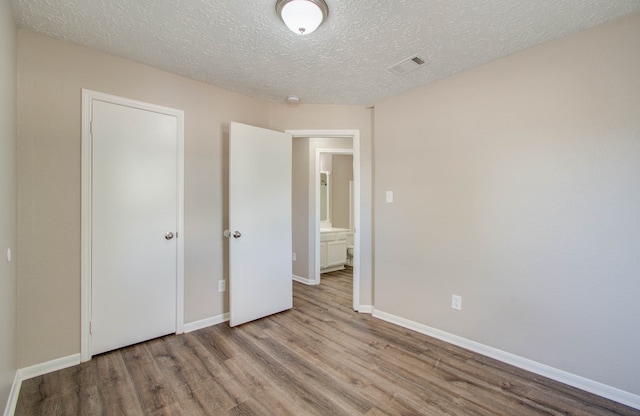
(573, 380)
(35, 371)
(304, 280)
(203, 323)
(12, 400)
(48, 367)
(365, 308)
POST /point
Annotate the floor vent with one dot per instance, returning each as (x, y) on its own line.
(407, 65)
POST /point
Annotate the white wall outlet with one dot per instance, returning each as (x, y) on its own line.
(222, 285)
(389, 196)
(294, 256)
(456, 302)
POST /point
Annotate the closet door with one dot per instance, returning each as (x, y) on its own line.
(134, 225)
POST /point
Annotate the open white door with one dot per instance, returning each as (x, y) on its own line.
(260, 271)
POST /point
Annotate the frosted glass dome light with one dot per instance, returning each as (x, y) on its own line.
(302, 16)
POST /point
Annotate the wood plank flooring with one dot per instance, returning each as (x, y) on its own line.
(320, 358)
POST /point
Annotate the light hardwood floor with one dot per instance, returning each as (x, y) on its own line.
(320, 358)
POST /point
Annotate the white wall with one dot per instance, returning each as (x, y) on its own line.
(8, 200)
(517, 186)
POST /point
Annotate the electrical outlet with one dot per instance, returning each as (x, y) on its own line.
(222, 285)
(456, 302)
(294, 256)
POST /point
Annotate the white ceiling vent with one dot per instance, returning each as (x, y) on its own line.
(407, 65)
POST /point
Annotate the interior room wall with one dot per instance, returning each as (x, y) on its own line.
(8, 201)
(341, 174)
(51, 74)
(517, 186)
(300, 207)
(339, 117)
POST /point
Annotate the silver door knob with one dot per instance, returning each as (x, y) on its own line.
(236, 234)
(168, 235)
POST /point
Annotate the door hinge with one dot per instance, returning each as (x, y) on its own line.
(91, 128)
(91, 327)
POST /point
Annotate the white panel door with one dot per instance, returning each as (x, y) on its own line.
(134, 204)
(260, 269)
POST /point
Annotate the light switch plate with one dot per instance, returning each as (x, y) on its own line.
(389, 196)
(456, 302)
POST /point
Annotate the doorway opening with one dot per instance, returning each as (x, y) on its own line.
(334, 208)
(312, 199)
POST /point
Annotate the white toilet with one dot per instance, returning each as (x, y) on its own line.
(349, 249)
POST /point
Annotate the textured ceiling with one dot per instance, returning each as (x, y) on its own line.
(243, 46)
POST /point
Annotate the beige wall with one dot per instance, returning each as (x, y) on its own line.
(8, 200)
(300, 207)
(517, 186)
(337, 117)
(51, 74)
(341, 174)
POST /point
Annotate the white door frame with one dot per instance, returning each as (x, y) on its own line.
(88, 97)
(314, 220)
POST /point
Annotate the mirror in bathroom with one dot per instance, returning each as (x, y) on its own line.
(325, 211)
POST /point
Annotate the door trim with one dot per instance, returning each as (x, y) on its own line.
(314, 221)
(88, 97)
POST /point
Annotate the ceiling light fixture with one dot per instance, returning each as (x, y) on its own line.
(302, 16)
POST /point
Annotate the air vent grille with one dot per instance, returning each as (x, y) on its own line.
(407, 65)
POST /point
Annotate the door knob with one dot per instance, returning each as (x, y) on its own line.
(168, 235)
(236, 234)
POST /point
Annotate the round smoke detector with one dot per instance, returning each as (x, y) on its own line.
(293, 99)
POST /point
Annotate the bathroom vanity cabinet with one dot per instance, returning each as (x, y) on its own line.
(333, 249)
